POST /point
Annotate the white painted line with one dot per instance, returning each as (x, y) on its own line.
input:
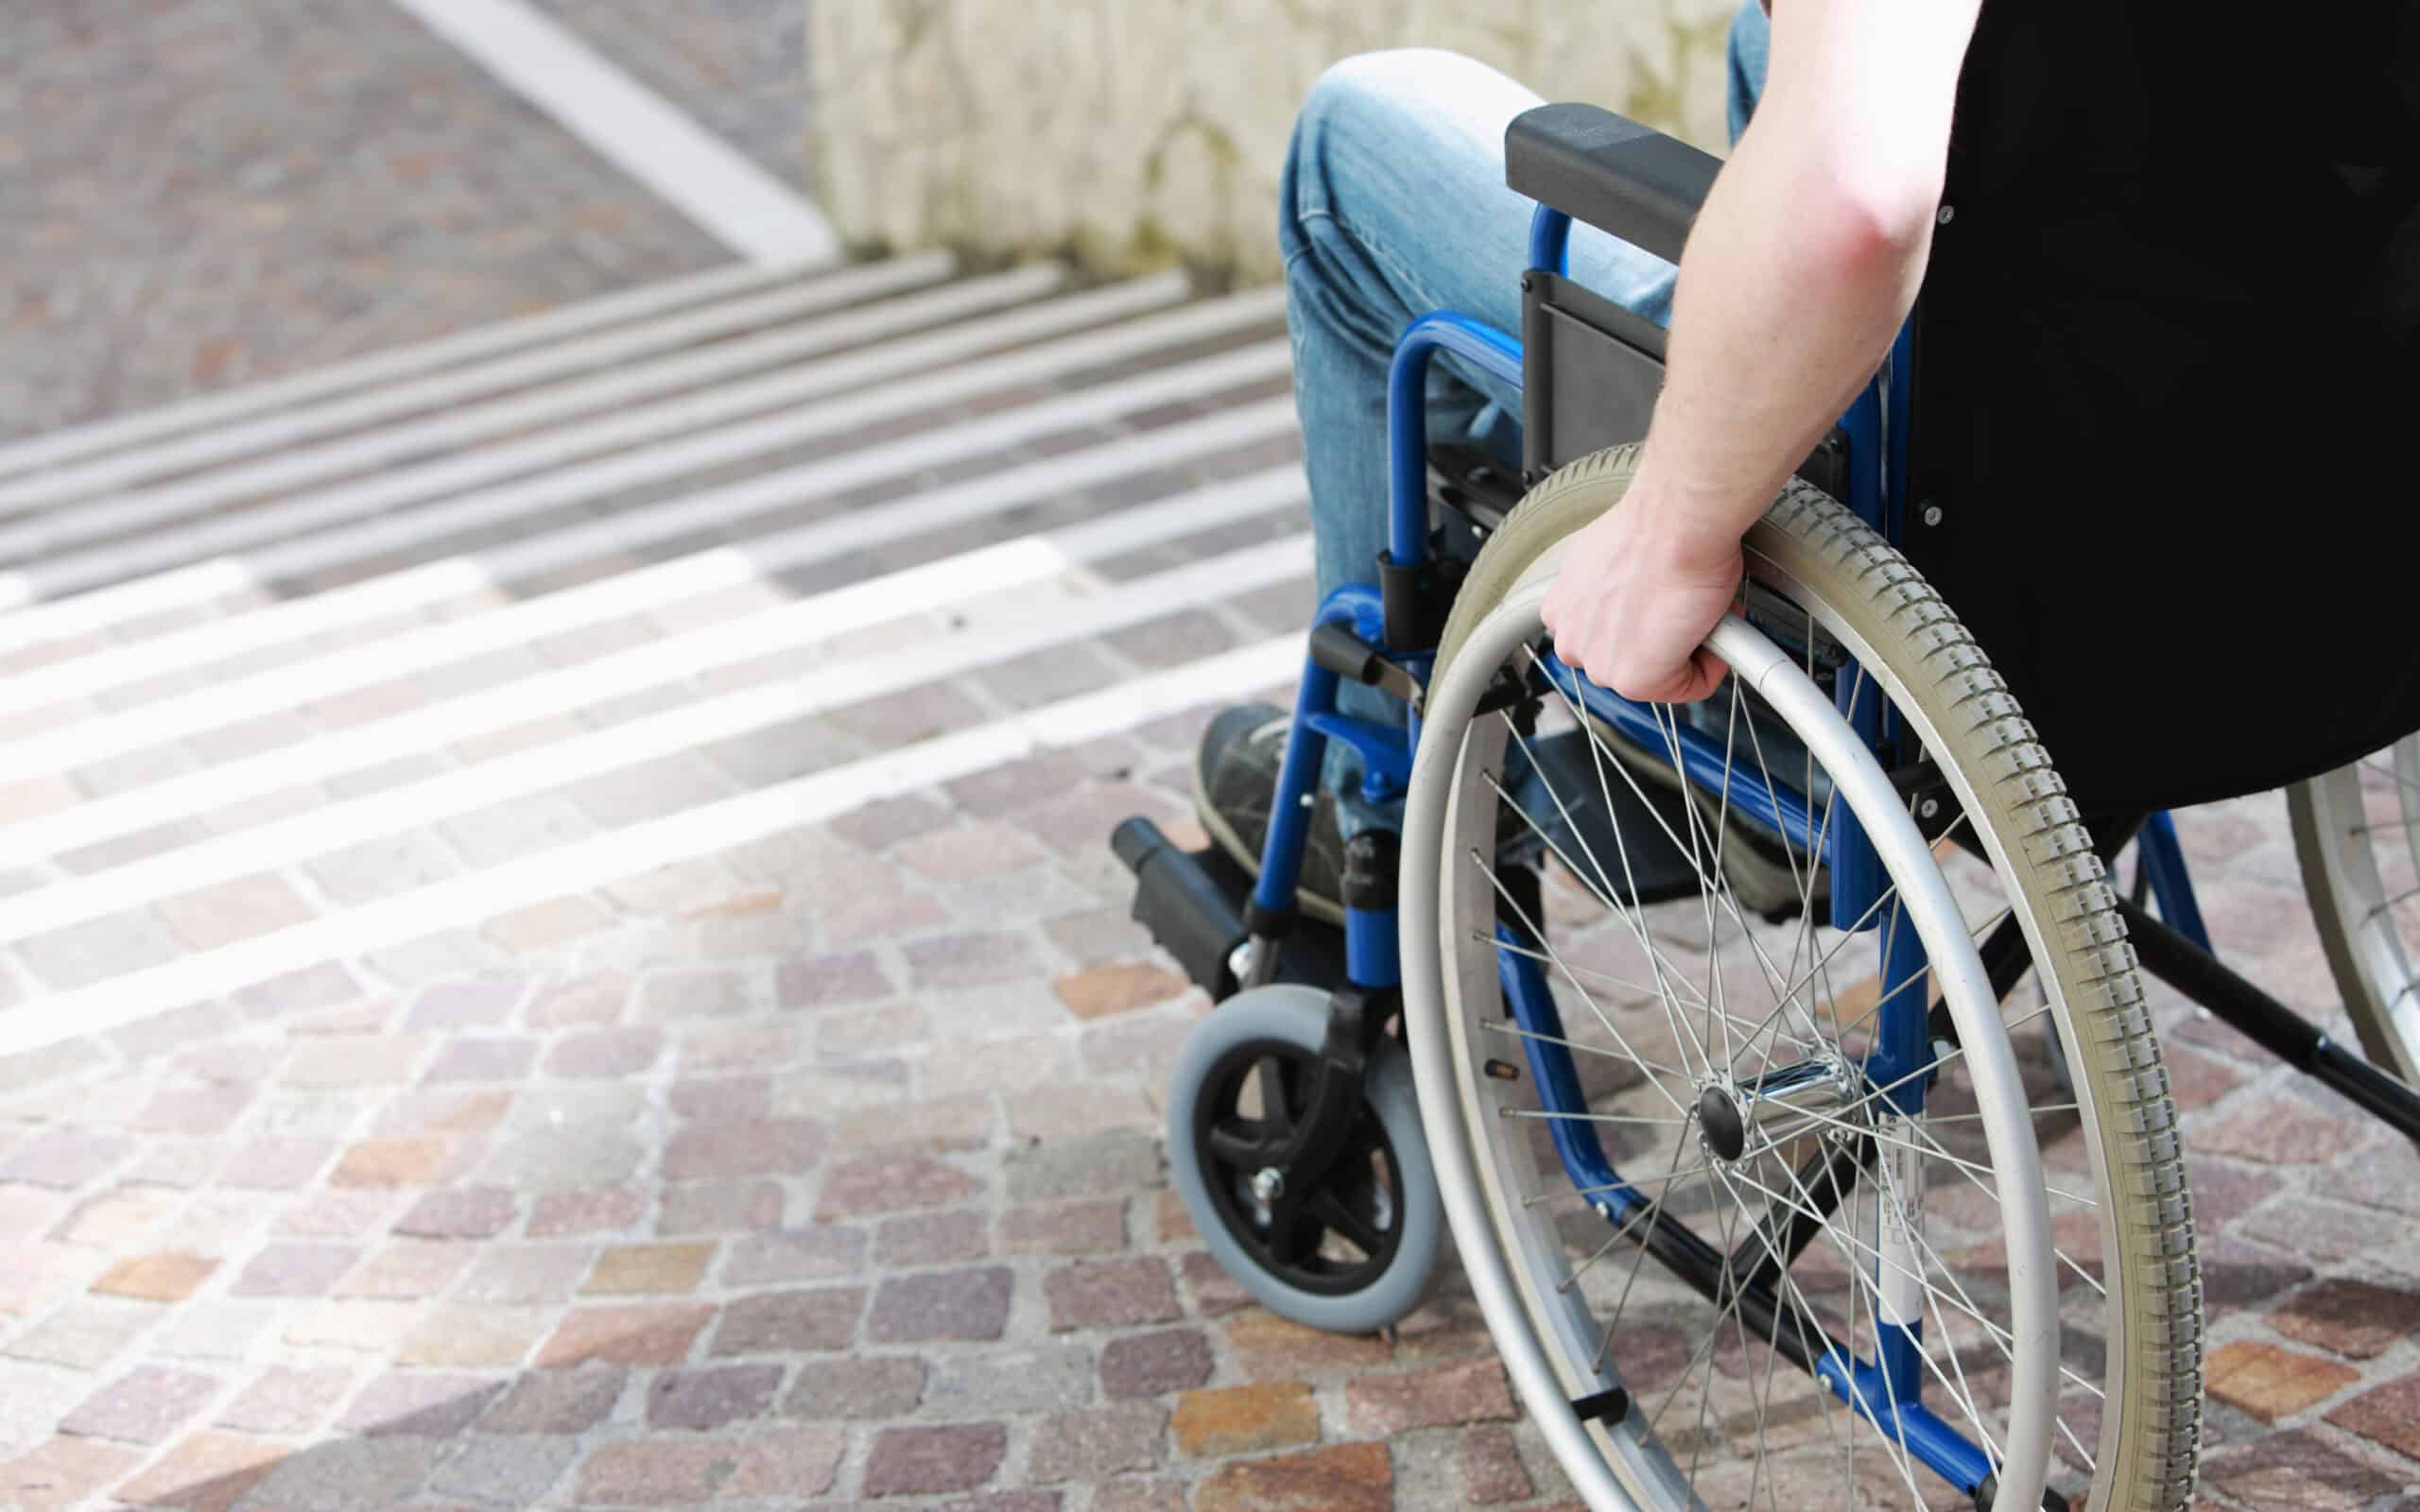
(657, 663)
(350, 412)
(460, 902)
(358, 456)
(381, 366)
(984, 631)
(638, 130)
(640, 590)
(96, 611)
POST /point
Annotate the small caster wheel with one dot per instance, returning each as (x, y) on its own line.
(1347, 1249)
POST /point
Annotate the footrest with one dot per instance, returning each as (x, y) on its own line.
(1193, 902)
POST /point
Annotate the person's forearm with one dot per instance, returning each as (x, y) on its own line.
(1790, 291)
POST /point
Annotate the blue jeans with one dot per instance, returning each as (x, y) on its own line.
(1393, 205)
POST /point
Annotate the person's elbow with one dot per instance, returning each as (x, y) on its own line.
(1866, 218)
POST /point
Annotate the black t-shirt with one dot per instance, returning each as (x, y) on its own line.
(2166, 396)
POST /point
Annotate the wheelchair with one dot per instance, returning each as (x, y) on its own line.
(1780, 1066)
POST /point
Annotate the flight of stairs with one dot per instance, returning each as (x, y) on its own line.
(315, 668)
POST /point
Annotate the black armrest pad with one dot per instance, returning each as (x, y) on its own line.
(1615, 173)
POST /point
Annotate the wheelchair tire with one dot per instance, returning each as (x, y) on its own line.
(2143, 1389)
(1363, 1289)
(2356, 832)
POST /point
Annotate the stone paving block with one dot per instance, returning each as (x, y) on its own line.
(370, 870)
(1068, 1228)
(294, 1268)
(642, 1270)
(1008, 1379)
(84, 1336)
(155, 1278)
(1108, 1164)
(1091, 1445)
(1381, 1406)
(837, 1390)
(605, 1052)
(145, 1406)
(65, 1157)
(1098, 992)
(1238, 1420)
(288, 1400)
(276, 1162)
(932, 1238)
(1270, 1347)
(2295, 1472)
(392, 1162)
(81, 954)
(407, 1270)
(821, 1318)
(2356, 1318)
(504, 1471)
(204, 1110)
(587, 1210)
(1213, 1292)
(1110, 1294)
(830, 981)
(929, 1461)
(846, 1034)
(2278, 1130)
(712, 1397)
(636, 1333)
(794, 1254)
(707, 1099)
(206, 1472)
(731, 1208)
(485, 1059)
(1491, 1469)
(1152, 1364)
(420, 1403)
(475, 1336)
(1347, 1477)
(890, 1183)
(555, 1402)
(225, 912)
(596, 1000)
(766, 1146)
(661, 1472)
(959, 1304)
(2389, 1416)
(459, 1212)
(127, 1215)
(61, 1473)
(356, 1326)
(384, 1470)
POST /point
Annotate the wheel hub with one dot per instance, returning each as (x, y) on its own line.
(1812, 1096)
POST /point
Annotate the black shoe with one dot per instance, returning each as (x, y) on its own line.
(1235, 775)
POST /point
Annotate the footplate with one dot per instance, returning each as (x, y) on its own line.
(1193, 904)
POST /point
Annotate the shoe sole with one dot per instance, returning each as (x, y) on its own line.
(1223, 835)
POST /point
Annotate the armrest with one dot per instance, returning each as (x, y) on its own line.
(1614, 174)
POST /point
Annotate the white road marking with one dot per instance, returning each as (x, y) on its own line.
(674, 658)
(714, 322)
(634, 591)
(148, 425)
(739, 203)
(981, 634)
(456, 902)
(592, 402)
(866, 405)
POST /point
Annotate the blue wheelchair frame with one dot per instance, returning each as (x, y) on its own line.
(1888, 1390)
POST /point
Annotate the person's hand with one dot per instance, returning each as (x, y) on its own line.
(1637, 596)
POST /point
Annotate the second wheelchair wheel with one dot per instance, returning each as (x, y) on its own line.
(2356, 831)
(1731, 1251)
(1342, 1242)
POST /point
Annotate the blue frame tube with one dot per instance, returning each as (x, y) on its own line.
(2163, 860)
(1290, 821)
(1482, 346)
(1530, 998)
(1550, 242)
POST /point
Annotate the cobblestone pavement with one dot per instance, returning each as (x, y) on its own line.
(204, 192)
(561, 952)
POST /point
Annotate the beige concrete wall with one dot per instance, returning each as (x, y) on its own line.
(1138, 131)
